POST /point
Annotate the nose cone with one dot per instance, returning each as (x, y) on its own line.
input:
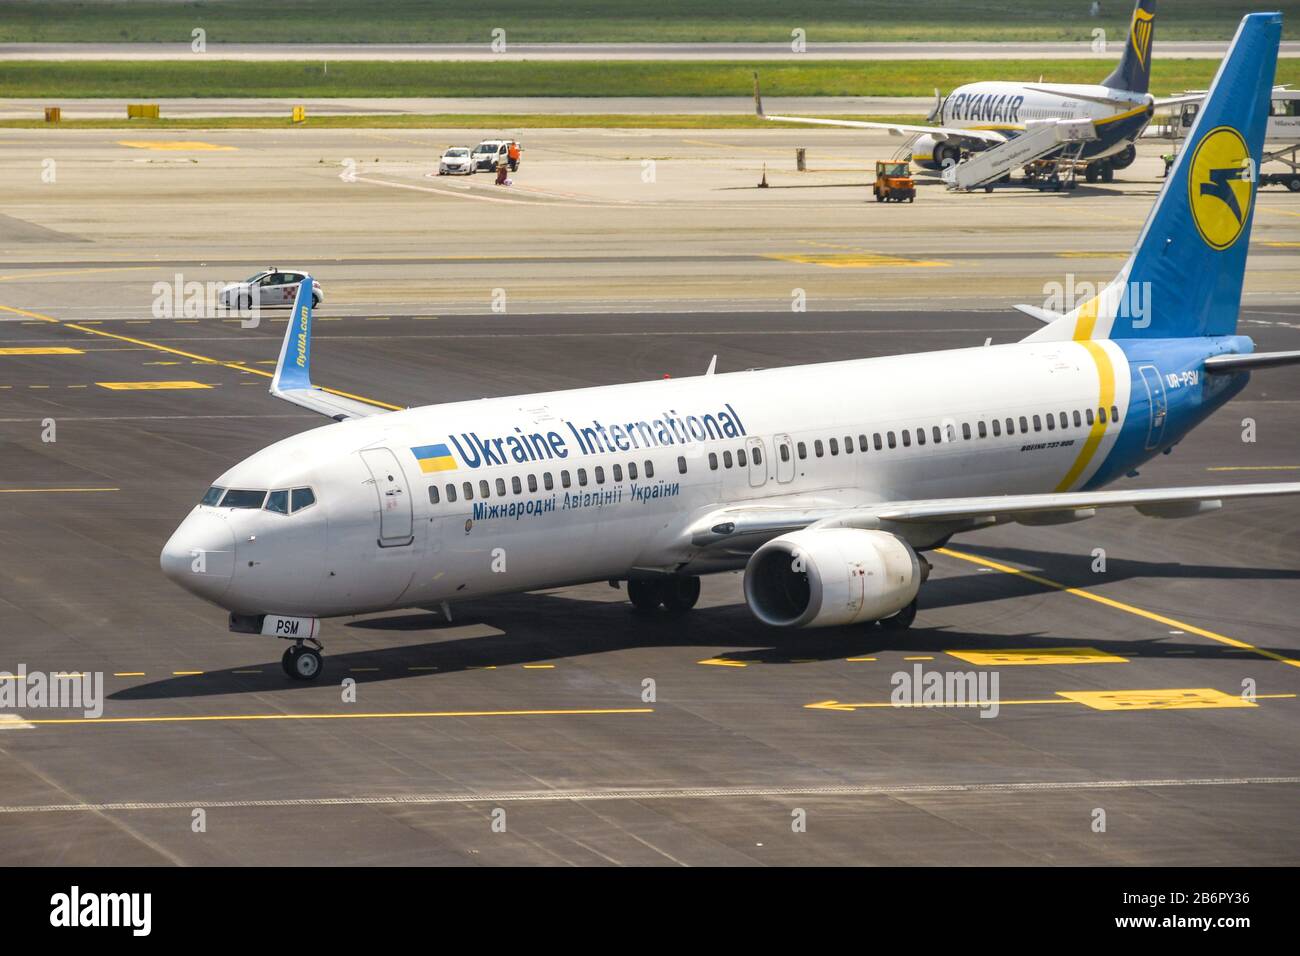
(200, 555)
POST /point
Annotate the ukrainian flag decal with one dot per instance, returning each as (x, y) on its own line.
(434, 458)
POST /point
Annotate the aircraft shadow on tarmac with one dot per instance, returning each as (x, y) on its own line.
(540, 628)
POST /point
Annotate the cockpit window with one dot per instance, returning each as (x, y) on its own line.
(303, 498)
(213, 496)
(278, 501)
(236, 498)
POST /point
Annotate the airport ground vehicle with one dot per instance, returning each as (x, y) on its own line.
(893, 182)
(489, 153)
(272, 287)
(456, 161)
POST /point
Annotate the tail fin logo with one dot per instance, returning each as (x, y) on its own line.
(1219, 188)
(1140, 34)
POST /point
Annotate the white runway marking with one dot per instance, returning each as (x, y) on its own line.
(658, 793)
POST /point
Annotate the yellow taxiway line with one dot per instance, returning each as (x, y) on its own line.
(571, 712)
(1119, 605)
(237, 366)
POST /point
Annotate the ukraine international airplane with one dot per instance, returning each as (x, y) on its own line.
(823, 482)
(980, 116)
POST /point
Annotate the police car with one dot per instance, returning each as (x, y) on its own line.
(456, 161)
(273, 287)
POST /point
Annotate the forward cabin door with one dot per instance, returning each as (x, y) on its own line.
(393, 495)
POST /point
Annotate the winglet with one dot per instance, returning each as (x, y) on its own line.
(758, 97)
(292, 379)
(293, 370)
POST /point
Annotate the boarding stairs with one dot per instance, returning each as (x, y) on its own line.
(988, 166)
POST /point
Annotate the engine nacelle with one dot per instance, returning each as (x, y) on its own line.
(826, 577)
(931, 153)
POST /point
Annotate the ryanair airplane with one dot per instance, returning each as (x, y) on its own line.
(824, 483)
(981, 116)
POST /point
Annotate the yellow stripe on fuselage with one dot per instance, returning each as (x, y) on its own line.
(1084, 326)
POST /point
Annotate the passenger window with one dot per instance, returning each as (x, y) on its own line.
(983, 430)
(803, 451)
(681, 464)
(818, 449)
(278, 501)
(862, 443)
(451, 492)
(835, 446)
(1065, 420)
(848, 444)
(1011, 426)
(713, 461)
(532, 482)
(741, 458)
(433, 494)
(758, 455)
(631, 470)
(1114, 413)
(618, 472)
(876, 441)
(1101, 415)
(649, 468)
(212, 495)
(1051, 422)
(997, 428)
(1038, 423)
(893, 443)
(965, 430)
(469, 491)
(726, 459)
(907, 438)
(243, 499)
(501, 486)
(1087, 415)
(564, 478)
(1024, 425)
(483, 491)
(516, 485)
(582, 477)
(547, 482)
(920, 436)
(937, 435)
(785, 452)
(1077, 422)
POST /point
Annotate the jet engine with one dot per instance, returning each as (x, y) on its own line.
(930, 153)
(824, 577)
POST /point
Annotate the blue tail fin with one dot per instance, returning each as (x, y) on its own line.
(1190, 259)
(1134, 71)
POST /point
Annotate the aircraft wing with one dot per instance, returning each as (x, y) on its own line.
(986, 136)
(730, 524)
(292, 379)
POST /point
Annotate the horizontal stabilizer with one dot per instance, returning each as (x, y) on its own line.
(1222, 364)
(1046, 316)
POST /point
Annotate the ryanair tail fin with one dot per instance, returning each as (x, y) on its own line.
(1184, 276)
(1133, 74)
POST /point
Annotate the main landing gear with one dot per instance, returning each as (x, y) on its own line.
(675, 593)
(303, 662)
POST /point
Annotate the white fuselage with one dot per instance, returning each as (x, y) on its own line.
(375, 538)
(1008, 107)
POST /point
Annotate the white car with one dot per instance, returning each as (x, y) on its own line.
(456, 161)
(273, 287)
(489, 153)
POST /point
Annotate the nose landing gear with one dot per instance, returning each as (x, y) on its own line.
(303, 662)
